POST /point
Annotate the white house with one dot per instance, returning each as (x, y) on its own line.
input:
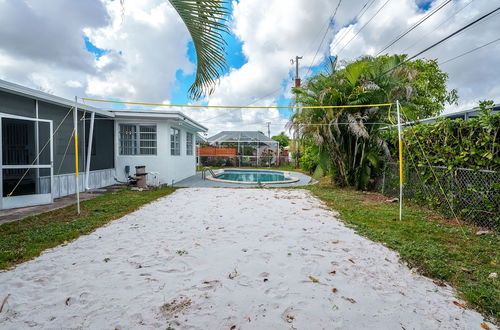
(37, 155)
(163, 141)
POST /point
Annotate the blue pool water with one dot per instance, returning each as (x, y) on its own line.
(252, 176)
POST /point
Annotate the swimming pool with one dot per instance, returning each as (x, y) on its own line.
(252, 176)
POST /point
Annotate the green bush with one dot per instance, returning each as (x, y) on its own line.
(310, 158)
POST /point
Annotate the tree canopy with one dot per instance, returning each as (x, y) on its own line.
(351, 137)
(282, 138)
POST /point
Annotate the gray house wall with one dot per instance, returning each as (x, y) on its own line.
(102, 160)
(64, 147)
(17, 105)
(102, 155)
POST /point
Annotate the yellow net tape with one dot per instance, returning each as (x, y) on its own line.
(239, 106)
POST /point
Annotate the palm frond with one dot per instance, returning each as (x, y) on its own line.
(206, 22)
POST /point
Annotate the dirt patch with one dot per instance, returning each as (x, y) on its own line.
(374, 198)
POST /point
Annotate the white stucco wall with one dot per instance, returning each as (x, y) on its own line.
(169, 167)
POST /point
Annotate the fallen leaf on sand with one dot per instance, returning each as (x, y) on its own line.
(485, 326)
(439, 282)
(233, 274)
(352, 301)
(313, 279)
(351, 261)
(4, 301)
(334, 290)
(458, 304)
(171, 309)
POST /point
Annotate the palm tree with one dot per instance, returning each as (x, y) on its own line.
(206, 21)
(355, 149)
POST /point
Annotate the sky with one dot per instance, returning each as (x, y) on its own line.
(142, 51)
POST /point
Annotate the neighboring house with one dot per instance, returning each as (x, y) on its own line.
(35, 169)
(242, 148)
(464, 114)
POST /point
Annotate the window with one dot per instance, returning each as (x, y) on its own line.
(147, 140)
(137, 139)
(175, 142)
(189, 144)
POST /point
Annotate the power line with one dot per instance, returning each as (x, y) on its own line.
(327, 28)
(437, 27)
(423, 19)
(470, 51)
(324, 36)
(442, 40)
(321, 43)
(368, 22)
(356, 18)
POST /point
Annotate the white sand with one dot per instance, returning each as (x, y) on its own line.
(250, 253)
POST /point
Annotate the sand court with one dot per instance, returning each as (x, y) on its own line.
(206, 258)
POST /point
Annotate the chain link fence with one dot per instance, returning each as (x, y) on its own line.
(472, 195)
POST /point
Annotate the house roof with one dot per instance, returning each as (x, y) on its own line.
(46, 97)
(463, 114)
(178, 116)
(240, 136)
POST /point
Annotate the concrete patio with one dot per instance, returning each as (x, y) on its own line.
(196, 181)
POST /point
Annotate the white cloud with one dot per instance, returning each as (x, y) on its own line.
(42, 47)
(272, 32)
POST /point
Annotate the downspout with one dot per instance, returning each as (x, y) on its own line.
(89, 150)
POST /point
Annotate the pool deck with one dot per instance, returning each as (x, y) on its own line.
(196, 181)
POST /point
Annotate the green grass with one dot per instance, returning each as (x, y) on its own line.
(25, 239)
(438, 250)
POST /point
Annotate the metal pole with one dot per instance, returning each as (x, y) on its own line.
(89, 150)
(37, 148)
(278, 162)
(268, 129)
(77, 181)
(400, 142)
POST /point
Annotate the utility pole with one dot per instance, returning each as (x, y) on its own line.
(268, 129)
(296, 62)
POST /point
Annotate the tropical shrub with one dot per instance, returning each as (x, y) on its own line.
(454, 166)
(351, 137)
(452, 143)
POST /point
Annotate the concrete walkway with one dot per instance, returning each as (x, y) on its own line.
(196, 181)
(207, 258)
(10, 215)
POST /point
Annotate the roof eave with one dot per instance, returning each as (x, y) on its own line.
(48, 98)
(157, 114)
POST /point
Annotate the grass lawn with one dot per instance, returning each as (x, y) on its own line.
(25, 239)
(438, 250)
